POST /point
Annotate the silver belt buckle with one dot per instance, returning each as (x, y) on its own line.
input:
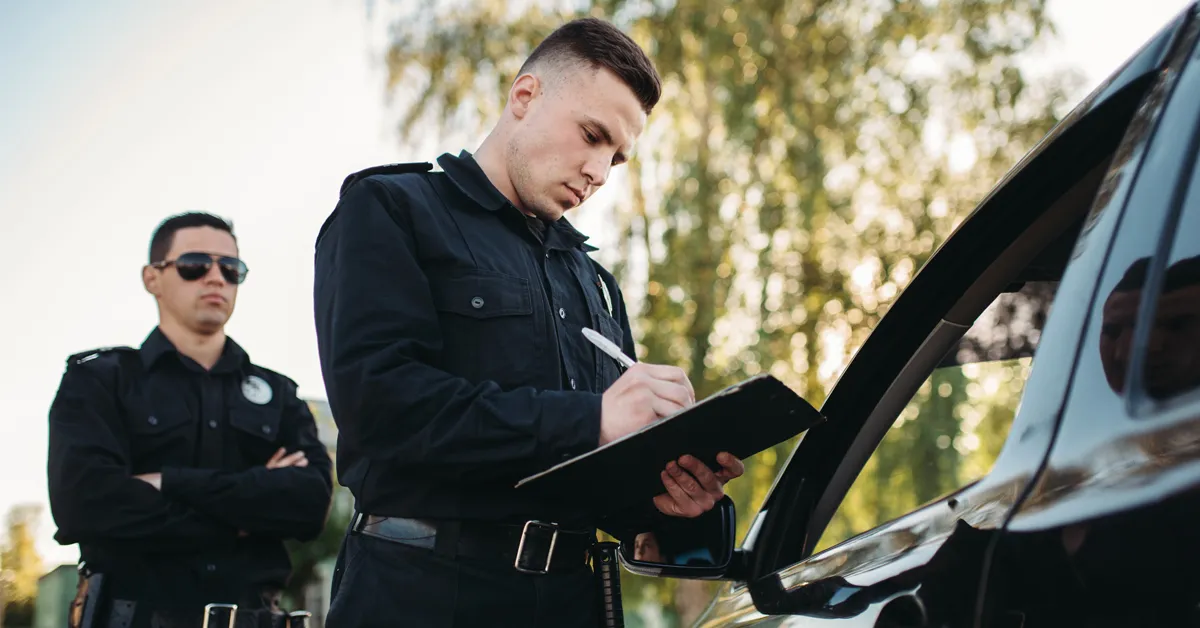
(545, 569)
(208, 609)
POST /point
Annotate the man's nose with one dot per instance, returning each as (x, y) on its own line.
(596, 171)
(214, 276)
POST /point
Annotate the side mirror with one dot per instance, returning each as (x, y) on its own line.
(695, 549)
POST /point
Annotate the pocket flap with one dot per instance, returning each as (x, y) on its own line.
(481, 294)
(262, 422)
(157, 423)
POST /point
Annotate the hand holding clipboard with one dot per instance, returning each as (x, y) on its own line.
(663, 440)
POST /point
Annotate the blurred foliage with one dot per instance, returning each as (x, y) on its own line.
(938, 444)
(20, 565)
(308, 557)
(806, 158)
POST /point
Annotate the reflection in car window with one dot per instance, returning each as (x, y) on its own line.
(1171, 366)
(952, 429)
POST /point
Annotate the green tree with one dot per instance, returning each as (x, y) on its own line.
(20, 565)
(792, 180)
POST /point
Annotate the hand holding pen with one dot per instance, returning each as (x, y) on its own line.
(646, 393)
(642, 395)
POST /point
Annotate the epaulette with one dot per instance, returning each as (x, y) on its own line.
(416, 166)
(92, 354)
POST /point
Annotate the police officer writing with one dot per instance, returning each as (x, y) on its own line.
(449, 309)
(180, 467)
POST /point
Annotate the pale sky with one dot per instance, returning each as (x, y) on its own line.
(116, 114)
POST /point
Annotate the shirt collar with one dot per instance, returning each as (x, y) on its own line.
(470, 178)
(157, 345)
(466, 173)
(568, 234)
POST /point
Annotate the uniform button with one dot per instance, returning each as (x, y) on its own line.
(562, 313)
(572, 383)
(547, 254)
(212, 424)
(152, 420)
(477, 302)
(210, 567)
(266, 429)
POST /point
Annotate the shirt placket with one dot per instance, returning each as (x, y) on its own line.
(560, 300)
(591, 296)
(212, 421)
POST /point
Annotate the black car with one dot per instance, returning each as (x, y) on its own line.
(1073, 288)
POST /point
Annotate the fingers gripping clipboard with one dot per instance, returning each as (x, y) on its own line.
(743, 419)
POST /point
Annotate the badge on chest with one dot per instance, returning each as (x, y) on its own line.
(256, 390)
(604, 292)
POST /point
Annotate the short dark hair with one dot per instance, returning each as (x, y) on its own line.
(164, 235)
(1181, 274)
(1134, 277)
(599, 44)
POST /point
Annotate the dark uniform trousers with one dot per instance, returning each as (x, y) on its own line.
(380, 583)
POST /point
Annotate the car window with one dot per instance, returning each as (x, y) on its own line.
(1170, 360)
(952, 429)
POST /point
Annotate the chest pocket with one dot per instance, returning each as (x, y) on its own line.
(256, 429)
(160, 430)
(489, 330)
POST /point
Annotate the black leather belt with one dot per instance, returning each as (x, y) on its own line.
(215, 616)
(535, 547)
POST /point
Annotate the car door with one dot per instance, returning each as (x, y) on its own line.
(821, 548)
(1108, 533)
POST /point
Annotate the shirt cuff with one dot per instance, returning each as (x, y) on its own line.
(570, 424)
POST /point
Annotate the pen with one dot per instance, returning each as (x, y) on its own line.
(607, 346)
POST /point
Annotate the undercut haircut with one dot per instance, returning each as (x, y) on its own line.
(164, 235)
(595, 43)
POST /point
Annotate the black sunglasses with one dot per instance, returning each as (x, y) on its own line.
(193, 266)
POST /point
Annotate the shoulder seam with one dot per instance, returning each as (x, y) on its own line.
(91, 354)
(416, 167)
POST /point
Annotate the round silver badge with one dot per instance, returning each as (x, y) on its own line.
(256, 390)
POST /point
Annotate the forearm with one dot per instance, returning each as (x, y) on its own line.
(286, 503)
(92, 504)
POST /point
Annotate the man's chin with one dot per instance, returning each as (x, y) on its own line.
(210, 324)
(549, 214)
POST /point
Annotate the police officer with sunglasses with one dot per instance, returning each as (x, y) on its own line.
(181, 467)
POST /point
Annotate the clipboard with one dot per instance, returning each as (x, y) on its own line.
(743, 419)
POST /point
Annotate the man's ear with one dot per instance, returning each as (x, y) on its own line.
(524, 91)
(150, 280)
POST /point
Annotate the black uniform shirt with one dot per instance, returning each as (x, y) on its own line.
(215, 531)
(449, 329)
